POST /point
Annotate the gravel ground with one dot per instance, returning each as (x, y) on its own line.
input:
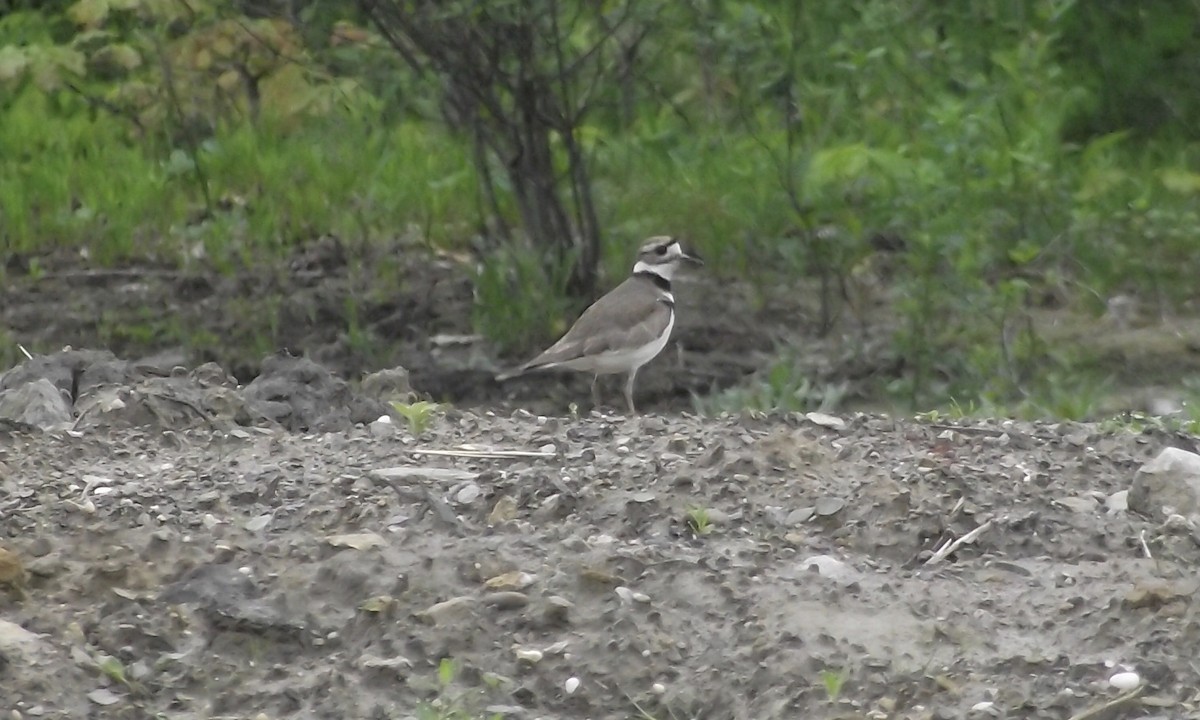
(194, 549)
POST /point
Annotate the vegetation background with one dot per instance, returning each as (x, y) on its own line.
(996, 200)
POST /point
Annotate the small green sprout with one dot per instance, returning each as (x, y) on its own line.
(833, 680)
(698, 520)
(418, 414)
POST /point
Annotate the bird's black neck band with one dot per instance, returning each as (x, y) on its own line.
(659, 281)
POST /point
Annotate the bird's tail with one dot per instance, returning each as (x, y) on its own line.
(510, 374)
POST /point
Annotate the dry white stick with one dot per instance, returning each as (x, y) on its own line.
(1145, 547)
(24, 351)
(1103, 709)
(949, 548)
(485, 453)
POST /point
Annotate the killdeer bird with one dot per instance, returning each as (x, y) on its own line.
(625, 329)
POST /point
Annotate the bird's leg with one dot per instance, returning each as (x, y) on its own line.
(629, 391)
(595, 391)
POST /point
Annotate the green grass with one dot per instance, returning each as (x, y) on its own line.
(74, 180)
(717, 190)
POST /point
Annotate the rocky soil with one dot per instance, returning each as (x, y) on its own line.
(176, 545)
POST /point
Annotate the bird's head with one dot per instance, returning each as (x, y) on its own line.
(663, 255)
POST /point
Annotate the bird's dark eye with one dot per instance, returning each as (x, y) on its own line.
(660, 250)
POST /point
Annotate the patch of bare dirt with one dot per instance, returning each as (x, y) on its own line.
(209, 561)
(357, 308)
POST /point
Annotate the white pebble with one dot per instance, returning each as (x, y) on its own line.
(658, 689)
(246, 570)
(1125, 680)
(529, 655)
(571, 685)
(982, 706)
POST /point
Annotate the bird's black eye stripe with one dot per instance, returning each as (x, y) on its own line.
(660, 250)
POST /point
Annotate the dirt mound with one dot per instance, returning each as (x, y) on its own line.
(92, 389)
(187, 566)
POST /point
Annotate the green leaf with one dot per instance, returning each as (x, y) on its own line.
(1025, 252)
(88, 12)
(13, 61)
(47, 64)
(838, 164)
(1178, 180)
(446, 671)
(113, 668)
(119, 55)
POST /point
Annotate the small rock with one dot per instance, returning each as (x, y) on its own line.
(1125, 681)
(358, 541)
(103, 697)
(831, 568)
(827, 506)
(800, 515)
(447, 610)
(1170, 480)
(571, 685)
(1078, 504)
(557, 610)
(529, 655)
(388, 385)
(259, 523)
(1153, 596)
(383, 427)
(658, 688)
(1118, 502)
(18, 644)
(468, 494)
(12, 572)
(599, 576)
(826, 421)
(631, 596)
(515, 580)
(397, 664)
(504, 510)
(38, 403)
(506, 600)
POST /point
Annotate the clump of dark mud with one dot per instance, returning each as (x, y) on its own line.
(89, 388)
(191, 548)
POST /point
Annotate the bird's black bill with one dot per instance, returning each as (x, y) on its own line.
(693, 259)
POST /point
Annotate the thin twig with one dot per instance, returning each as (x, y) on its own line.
(949, 548)
(24, 351)
(486, 453)
(1101, 710)
(1145, 547)
(189, 137)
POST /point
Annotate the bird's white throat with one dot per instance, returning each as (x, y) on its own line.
(665, 271)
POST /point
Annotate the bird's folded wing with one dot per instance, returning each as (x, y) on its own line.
(607, 329)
